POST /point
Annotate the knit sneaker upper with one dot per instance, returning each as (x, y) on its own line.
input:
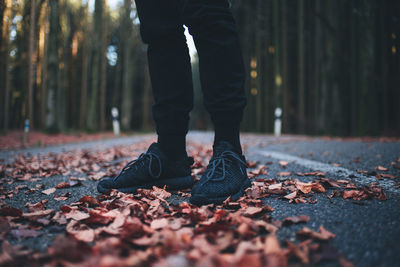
(225, 173)
(151, 166)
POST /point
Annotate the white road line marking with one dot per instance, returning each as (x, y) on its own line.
(357, 178)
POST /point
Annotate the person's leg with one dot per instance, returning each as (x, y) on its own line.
(161, 27)
(222, 71)
(165, 163)
(222, 78)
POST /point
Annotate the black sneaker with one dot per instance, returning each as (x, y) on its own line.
(225, 176)
(152, 168)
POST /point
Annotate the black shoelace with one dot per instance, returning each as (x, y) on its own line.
(220, 162)
(140, 161)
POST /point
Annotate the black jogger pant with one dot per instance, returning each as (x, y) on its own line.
(222, 74)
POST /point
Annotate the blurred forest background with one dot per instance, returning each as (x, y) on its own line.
(332, 65)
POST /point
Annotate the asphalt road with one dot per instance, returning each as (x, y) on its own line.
(367, 231)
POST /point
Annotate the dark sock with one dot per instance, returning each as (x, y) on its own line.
(174, 146)
(229, 132)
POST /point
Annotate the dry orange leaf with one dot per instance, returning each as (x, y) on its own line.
(381, 168)
(283, 163)
(291, 195)
(49, 191)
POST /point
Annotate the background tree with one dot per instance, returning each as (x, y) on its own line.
(333, 66)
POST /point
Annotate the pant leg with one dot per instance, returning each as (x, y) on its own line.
(161, 27)
(222, 73)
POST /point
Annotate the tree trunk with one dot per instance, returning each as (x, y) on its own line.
(116, 99)
(31, 61)
(103, 75)
(268, 67)
(285, 80)
(52, 67)
(258, 59)
(277, 56)
(3, 5)
(301, 68)
(43, 86)
(93, 116)
(7, 72)
(126, 109)
(317, 67)
(84, 78)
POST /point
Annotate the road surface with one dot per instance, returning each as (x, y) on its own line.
(367, 231)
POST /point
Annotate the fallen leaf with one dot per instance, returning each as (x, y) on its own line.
(304, 187)
(296, 219)
(91, 201)
(80, 232)
(351, 194)
(76, 215)
(277, 186)
(62, 185)
(41, 205)
(97, 176)
(37, 214)
(291, 195)
(283, 163)
(322, 235)
(49, 191)
(385, 175)
(159, 223)
(252, 211)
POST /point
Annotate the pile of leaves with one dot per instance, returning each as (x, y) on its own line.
(96, 164)
(156, 227)
(124, 230)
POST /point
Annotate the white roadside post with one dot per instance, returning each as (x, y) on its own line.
(26, 131)
(114, 114)
(278, 122)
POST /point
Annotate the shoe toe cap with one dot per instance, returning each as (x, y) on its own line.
(105, 184)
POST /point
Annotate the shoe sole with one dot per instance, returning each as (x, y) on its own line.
(171, 183)
(199, 199)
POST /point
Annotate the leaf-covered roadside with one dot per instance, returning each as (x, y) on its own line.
(157, 227)
(125, 230)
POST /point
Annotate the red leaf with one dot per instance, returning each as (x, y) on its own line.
(63, 185)
(91, 201)
(65, 208)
